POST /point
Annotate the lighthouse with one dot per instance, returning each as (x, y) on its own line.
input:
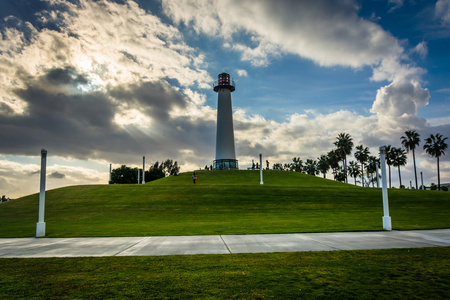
(225, 152)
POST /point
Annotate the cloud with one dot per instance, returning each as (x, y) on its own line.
(326, 32)
(241, 73)
(398, 103)
(19, 178)
(56, 175)
(297, 135)
(101, 125)
(421, 49)
(90, 80)
(442, 11)
(395, 4)
(109, 81)
(330, 33)
(109, 43)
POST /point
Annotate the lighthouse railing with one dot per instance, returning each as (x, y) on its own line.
(231, 84)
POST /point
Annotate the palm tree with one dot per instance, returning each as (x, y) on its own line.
(297, 164)
(388, 152)
(333, 160)
(344, 146)
(361, 155)
(372, 163)
(353, 170)
(398, 159)
(311, 167)
(435, 146)
(323, 164)
(410, 140)
(339, 174)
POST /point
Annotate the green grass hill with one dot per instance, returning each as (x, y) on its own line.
(222, 202)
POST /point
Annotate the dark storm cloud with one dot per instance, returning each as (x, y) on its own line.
(71, 123)
(67, 75)
(56, 175)
(153, 99)
(5, 109)
(170, 134)
(34, 173)
(247, 148)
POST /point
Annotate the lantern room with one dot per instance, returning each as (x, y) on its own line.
(224, 82)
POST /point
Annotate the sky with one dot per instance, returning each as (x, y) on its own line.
(107, 82)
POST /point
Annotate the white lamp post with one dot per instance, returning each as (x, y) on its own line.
(40, 226)
(110, 174)
(260, 169)
(143, 170)
(387, 224)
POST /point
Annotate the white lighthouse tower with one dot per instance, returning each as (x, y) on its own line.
(225, 152)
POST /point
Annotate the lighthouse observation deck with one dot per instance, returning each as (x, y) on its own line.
(224, 82)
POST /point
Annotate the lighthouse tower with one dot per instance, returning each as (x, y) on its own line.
(225, 152)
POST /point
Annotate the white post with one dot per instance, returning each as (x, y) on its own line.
(110, 174)
(40, 227)
(410, 185)
(378, 177)
(143, 170)
(387, 224)
(260, 169)
(421, 177)
(139, 175)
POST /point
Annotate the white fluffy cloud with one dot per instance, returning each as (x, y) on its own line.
(421, 49)
(298, 135)
(398, 103)
(327, 32)
(242, 73)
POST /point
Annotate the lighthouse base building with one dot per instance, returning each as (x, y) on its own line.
(225, 151)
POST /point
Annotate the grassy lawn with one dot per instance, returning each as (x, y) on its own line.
(228, 203)
(223, 202)
(375, 274)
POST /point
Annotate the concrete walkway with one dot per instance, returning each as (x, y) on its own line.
(220, 244)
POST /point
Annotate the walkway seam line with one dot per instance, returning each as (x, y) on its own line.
(131, 246)
(225, 244)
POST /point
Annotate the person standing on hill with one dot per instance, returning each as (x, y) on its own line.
(194, 177)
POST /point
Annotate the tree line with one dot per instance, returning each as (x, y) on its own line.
(365, 165)
(124, 174)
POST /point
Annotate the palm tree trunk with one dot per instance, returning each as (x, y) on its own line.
(355, 180)
(399, 177)
(439, 176)
(362, 175)
(415, 171)
(345, 169)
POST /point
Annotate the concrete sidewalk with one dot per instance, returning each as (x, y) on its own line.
(220, 244)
